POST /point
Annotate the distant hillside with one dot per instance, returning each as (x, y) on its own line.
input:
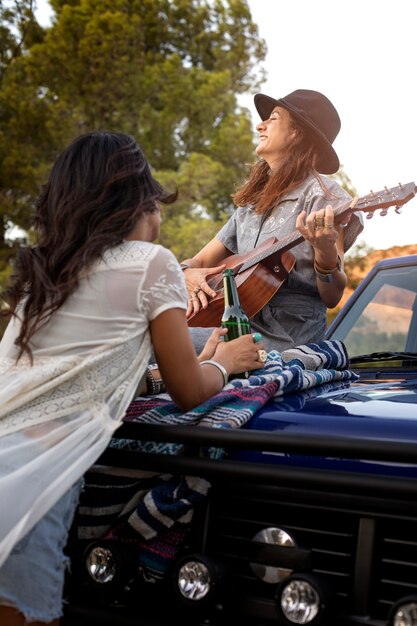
(357, 268)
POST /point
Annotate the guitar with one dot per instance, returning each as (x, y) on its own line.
(260, 273)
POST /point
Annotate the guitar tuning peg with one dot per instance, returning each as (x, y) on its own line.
(369, 216)
(398, 210)
(383, 212)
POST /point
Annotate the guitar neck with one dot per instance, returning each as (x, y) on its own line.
(288, 242)
(396, 196)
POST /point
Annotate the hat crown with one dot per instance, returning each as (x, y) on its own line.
(317, 113)
(317, 108)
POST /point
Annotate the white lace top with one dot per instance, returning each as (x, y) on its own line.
(57, 416)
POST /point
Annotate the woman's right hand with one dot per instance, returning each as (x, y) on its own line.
(239, 355)
(199, 291)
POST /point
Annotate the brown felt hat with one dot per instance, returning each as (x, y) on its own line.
(317, 113)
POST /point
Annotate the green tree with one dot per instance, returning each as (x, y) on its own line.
(166, 71)
(18, 32)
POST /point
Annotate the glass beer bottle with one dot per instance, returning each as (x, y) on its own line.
(234, 318)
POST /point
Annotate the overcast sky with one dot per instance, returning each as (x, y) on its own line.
(361, 55)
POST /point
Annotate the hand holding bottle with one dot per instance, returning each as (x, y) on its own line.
(234, 317)
(240, 355)
(211, 344)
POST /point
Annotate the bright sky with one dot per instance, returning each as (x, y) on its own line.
(361, 55)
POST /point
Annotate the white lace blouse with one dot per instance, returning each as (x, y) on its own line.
(58, 415)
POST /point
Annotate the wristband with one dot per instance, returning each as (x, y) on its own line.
(326, 276)
(154, 385)
(220, 367)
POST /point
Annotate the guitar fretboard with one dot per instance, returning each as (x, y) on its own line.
(396, 196)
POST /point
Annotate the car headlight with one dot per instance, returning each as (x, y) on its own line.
(110, 562)
(197, 579)
(277, 537)
(303, 599)
(404, 613)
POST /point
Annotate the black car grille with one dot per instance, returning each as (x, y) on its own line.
(364, 548)
(396, 562)
(357, 532)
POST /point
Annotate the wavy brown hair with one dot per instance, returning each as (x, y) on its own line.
(265, 187)
(97, 190)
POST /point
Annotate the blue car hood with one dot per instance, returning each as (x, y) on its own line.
(383, 409)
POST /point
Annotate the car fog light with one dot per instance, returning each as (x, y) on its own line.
(194, 580)
(404, 613)
(197, 579)
(100, 564)
(301, 599)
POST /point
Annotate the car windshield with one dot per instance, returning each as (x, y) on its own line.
(384, 316)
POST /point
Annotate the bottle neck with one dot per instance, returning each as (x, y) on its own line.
(231, 297)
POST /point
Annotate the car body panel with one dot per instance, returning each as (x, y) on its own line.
(334, 466)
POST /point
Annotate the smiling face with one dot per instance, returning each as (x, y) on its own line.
(275, 135)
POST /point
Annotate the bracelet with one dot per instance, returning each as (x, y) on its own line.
(220, 367)
(338, 267)
(154, 385)
(326, 276)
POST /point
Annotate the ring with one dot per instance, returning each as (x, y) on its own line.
(262, 356)
(318, 226)
(328, 226)
(256, 337)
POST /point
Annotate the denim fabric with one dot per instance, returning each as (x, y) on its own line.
(32, 578)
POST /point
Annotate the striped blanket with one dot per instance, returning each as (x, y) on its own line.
(155, 511)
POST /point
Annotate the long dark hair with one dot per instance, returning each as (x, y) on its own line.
(264, 187)
(98, 188)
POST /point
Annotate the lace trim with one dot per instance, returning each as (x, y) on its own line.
(90, 384)
(126, 254)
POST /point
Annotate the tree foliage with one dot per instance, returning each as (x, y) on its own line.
(166, 71)
(169, 72)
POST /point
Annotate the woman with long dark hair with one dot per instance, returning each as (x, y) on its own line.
(89, 302)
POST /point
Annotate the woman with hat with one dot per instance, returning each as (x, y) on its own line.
(286, 193)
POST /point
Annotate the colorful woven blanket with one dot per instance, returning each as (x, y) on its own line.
(155, 511)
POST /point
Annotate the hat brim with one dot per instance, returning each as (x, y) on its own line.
(328, 162)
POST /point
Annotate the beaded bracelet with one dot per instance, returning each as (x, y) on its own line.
(220, 367)
(154, 385)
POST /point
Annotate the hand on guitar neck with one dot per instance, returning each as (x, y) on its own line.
(260, 273)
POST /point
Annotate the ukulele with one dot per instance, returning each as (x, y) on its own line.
(260, 273)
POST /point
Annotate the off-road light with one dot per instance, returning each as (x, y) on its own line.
(100, 564)
(197, 578)
(302, 599)
(404, 613)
